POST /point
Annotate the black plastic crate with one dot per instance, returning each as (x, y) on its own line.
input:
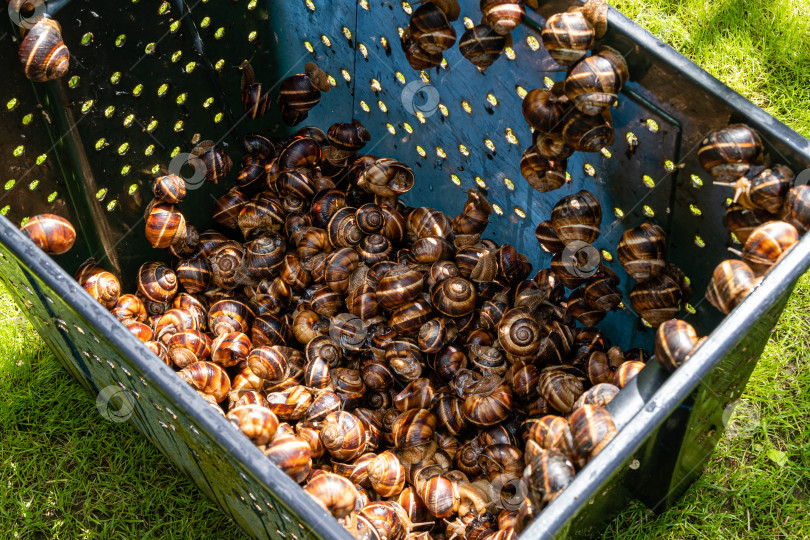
(148, 78)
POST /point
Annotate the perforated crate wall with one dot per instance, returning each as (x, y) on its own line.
(149, 79)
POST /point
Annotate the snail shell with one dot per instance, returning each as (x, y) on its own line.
(599, 395)
(567, 37)
(129, 308)
(577, 217)
(481, 45)
(230, 349)
(626, 372)
(103, 286)
(194, 274)
(292, 455)
(731, 282)
(386, 474)
(454, 297)
(547, 475)
(335, 493)
(656, 299)
(797, 208)
(51, 233)
(187, 347)
(542, 173)
(228, 207)
(431, 30)
(254, 101)
(641, 251)
(674, 342)
(417, 57)
(157, 282)
(594, 83)
(343, 435)
(560, 388)
(583, 133)
(216, 161)
(258, 423)
(502, 15)
(43, 54)
(767, 244)
(170, 188)
(208, 378)
(518, 333)
(593, 429)
(489, 402)
(728, 153)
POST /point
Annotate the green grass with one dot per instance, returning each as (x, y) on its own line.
(67, 473)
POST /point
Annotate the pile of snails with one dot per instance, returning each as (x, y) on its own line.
(402, 368)
(768, 214)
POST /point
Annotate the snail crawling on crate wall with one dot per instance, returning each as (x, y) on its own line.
(767, 215)
(42, 53)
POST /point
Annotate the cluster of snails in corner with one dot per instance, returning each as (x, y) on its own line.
(767, 214)
(413, 376)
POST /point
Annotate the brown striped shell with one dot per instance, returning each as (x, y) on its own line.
(43, 54)
(567, 36)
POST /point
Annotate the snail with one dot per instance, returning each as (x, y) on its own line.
(258, 423)
(157, 282)
(797, 208)
(43, 54)
(592, 428)
(542, 173)
(731, 282)
(255, 101)
(482, 45)
(594, 83)
(581, 132)
(657, 299)
(430, 29)
(767, 244)
(169, 188)
(641, 251)
(728, 153)
(335, 493)
(577, 218)
(567, 36)
(51, 233)
(300, 93)
(215, 161)
(674, 342)
(503, 16)
(207, 378)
